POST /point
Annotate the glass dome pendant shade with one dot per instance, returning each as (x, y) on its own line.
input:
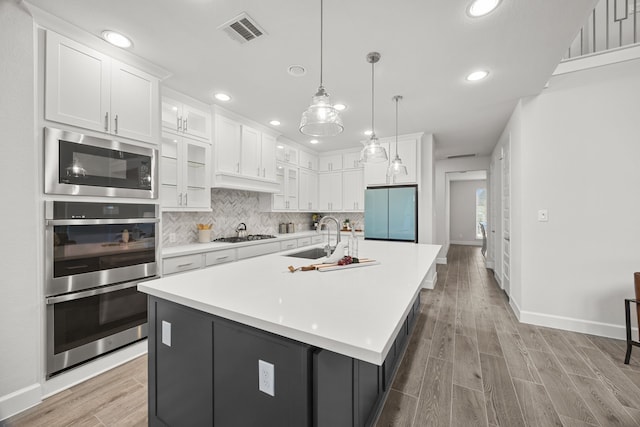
(373, 152)
(396, 168)
(321, 118)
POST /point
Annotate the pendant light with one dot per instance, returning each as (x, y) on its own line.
(396, 168)
(321, 118)
(373, 152)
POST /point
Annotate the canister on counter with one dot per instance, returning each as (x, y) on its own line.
(282, 228)
(290, 228)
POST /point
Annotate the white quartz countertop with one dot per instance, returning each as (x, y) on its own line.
(356, 312)
(195, 248)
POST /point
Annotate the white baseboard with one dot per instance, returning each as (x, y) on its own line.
(20, 400)
(489, 264)
(467, 242)
(516, 308)
(441, 260)
(576, 325)
(430, 282)
(498, 280)
(32, 395)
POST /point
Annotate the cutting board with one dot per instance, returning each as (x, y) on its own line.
(334, 267)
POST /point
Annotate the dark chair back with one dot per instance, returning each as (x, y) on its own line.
(636, 279)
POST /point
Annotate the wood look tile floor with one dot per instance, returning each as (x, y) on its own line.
(469, 363)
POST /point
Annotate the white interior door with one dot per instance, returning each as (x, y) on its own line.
(506, 215)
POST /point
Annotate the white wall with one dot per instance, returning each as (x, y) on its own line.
(426, 205)
(19, 255)
(462, 211)
(580, 159)
(441, 195)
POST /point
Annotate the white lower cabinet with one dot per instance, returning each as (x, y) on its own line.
(288, 244)
(256, 250)
(184, 174)
(330, 191)
(219, 257)
(181, 264)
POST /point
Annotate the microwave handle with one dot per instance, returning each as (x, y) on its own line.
(51, 222)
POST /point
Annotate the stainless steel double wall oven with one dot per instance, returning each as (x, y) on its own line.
(96, 252)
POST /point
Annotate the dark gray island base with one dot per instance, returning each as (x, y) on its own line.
(203, 371)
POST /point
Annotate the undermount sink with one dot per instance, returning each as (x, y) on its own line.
(313, 253)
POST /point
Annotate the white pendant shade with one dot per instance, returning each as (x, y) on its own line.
(396, 168)
(321, 118)
(373, 152)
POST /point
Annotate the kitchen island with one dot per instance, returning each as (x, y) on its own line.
(250, 343)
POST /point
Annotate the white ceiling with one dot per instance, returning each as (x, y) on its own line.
(427, 48)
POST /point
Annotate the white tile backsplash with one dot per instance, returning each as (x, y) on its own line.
(231, 207)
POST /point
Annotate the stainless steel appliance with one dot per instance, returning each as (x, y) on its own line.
(79, 164)
(248, 238)
(96, 254)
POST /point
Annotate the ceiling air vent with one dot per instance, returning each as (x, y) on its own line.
(459, 156)
(242, 28)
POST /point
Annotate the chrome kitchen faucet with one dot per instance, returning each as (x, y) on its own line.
(323, 221)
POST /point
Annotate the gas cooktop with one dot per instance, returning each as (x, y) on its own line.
(250, 237)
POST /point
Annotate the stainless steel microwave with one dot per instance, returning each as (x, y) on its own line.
(84, 165)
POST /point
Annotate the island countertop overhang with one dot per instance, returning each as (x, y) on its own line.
(356, 312)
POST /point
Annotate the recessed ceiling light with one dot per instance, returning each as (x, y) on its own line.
(314, 141)
(222, 96)
(116, 39)
(368, 132)
(296, 70)
(477, 75)
(340, 107)
(481, 7)
(274, 123)
(280, 147)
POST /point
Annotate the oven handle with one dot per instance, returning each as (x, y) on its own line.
(51, 222)
(93, 292)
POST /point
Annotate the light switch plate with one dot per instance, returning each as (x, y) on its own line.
(266, 377)
(543, 215)
(166, 333)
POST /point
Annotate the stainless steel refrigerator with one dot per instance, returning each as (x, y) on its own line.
(391, 213)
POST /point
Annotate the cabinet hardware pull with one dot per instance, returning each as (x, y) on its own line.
(238, 167)
(116, 120)
(180, 196)
(185, 265)
(222, 257)
(75, 267)
(106, 121)
(264, 172)
(186, 126)
(258, 169)
(179, 122)
(186, 202)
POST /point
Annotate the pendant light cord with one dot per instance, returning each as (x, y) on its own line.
(373, 64)
(397, 99)
(321, 36)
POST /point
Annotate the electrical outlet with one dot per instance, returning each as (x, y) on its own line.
(266, 377)
(172, 237)
(543, 215)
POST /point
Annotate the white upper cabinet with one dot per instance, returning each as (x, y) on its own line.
(308, 190)
(308, 161)
(329, 163)
(88, 89)
(268, 156)
(184, 174)
(353, 190)
(330, 191)
(245, 158)
(351, 160)
(250, 152)
(186, 118)
(286, 154)
(408, 149)
(287, 198)
(228, 139)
